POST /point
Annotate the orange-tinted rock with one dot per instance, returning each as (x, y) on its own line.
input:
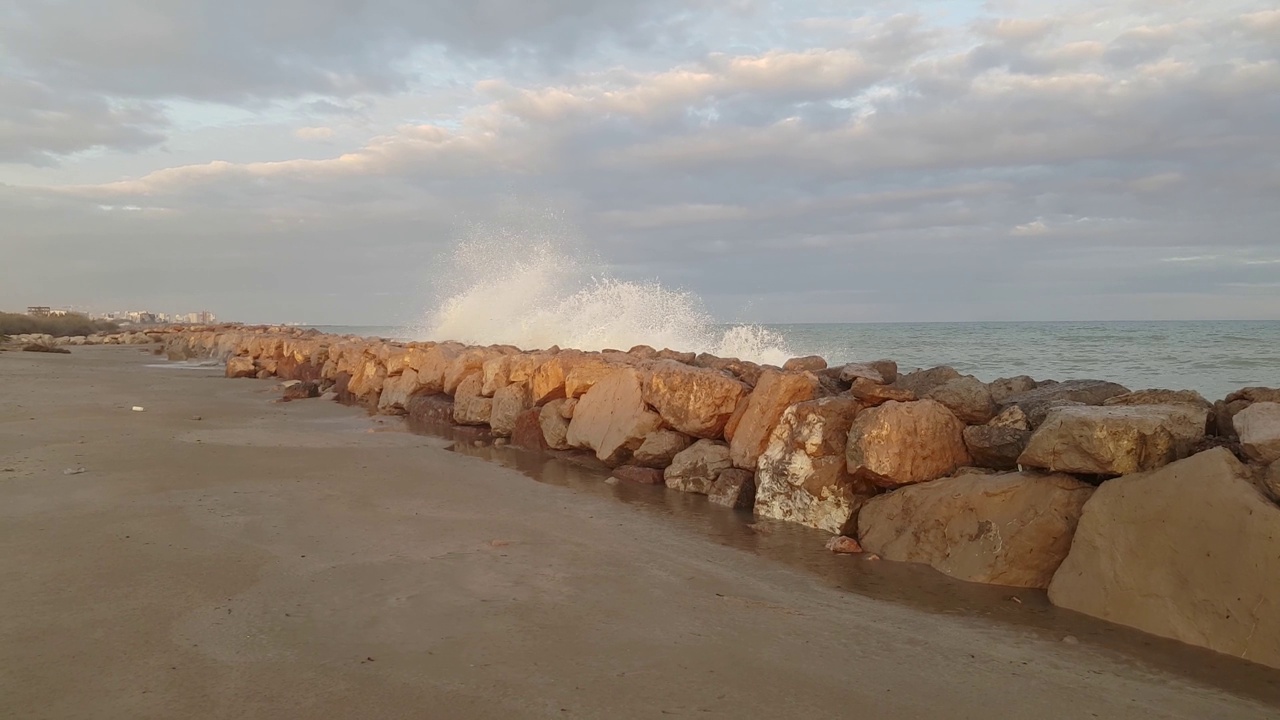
(469, 406)
(527, 432)
(241, 367)
(774, 393)
(397, 390)
(660, 448)
(612, 419)
(968, 398)
(870, 393)
(555, 426)
(802, 475)
(1012, 529)
(695, 469)
(844, 545)
(465, 364)
(695, 401)
(1115, 440)
(508, 403)
(903, 443)
(812, 363)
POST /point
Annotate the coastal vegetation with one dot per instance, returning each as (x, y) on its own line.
(69, 325)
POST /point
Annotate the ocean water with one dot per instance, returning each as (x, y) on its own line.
(1211, 357)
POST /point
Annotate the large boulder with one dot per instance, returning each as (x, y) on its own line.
(527, 432)
(1224, 411)
(967, 397)
(695, 401)
(921, 382)
(555, 426)
(612, 419)
(1011, 529)
(397, 390)
(1189, 552)
(802, 475)
(467, 363)
(1161, 397)
(774, 393)
(811, 363)
(1258, 427)
(734, 488)
(696, 468)
(1115, 440)
(1036, 404)
(585, 373)
(469, 406)
(870, 393)
(366, 382)
(548, 378)
(431, 364)
(508, 402)
(903, 443)
(1004, 388)
(241, 367)
(660, 448)
(995, 447)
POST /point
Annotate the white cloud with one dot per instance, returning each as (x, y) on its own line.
(314, 133)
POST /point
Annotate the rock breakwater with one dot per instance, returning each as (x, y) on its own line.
(1150, 508)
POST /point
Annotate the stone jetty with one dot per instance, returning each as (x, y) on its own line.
(1151, 508)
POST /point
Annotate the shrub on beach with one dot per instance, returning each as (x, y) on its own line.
(68, 325)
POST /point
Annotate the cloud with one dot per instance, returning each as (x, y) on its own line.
(1021, 164)
(39, 125)
(314, 133)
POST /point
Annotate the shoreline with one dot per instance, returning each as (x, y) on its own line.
(263, 482)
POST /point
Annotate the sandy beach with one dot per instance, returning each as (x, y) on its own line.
(226, 556)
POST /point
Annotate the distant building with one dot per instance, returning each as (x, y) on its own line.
(38, 310)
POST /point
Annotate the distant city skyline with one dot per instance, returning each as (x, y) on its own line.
(131, 316)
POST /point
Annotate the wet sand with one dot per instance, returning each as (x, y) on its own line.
(283, 561)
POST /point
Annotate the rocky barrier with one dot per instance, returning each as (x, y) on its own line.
(1155, 509)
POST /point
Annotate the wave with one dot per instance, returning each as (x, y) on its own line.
(503, 287)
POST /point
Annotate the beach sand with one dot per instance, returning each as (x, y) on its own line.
(303, 560)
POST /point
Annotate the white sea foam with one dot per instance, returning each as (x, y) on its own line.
(534, 292)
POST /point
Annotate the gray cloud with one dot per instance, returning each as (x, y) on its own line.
(1018, 167)
(39, 124)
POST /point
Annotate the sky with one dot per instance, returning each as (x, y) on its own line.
(806, 161)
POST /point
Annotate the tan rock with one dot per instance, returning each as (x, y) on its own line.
(397, 390)
(734, 488)
(1012, 529)
(1271, 481)
(1004, 388)
(1258, 427)
(508, 402)
(555, 427)
(469, 406)
(968, 398)
(432, 364)
(811, 363)
(995, 447)
(774, 393)
(612, 419)
(241, 367)
(549, 377)
(1114, 440)
(921, 382)
(660, 447)
(585, 374)
(397, 361)
(1011, 417)
(904, 443)
(1038, 403)
(367, 380)
(497, 374)
(463, 366)
(1160, 397)
(871, 393)
(695, 401)
(696, 468)
(1224, 411)
(1189, 552)
(802, 476)
(567, 408)
(864, 371)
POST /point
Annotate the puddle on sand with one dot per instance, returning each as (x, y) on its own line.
(914, 585)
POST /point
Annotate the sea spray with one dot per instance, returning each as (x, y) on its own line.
(499, 287)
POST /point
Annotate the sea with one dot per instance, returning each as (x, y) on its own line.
(1213, 358)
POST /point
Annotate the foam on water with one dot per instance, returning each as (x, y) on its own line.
(505, 288)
